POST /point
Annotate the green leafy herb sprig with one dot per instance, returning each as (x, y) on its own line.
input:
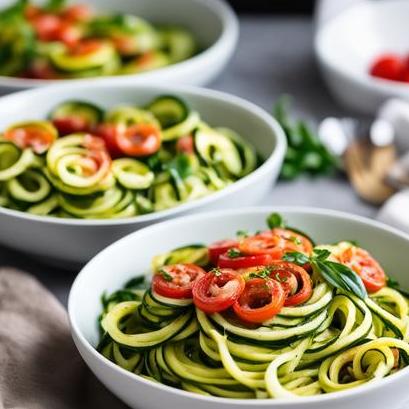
(336, 274)
(392, 283)
(305, 152)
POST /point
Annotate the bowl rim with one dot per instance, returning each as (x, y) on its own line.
(264, 169)
(226, 41)
(361, 78)
(282, 402)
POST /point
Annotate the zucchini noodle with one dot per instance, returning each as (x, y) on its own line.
(72, 165)
(332, 342)
(96, 45)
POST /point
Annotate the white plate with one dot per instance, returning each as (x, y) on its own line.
(131, 256)
(212, 22)
(76, 241)
(348, 44)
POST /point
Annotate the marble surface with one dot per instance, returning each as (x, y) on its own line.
(274, 57)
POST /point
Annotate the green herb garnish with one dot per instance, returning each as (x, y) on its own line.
(264, 272)
(336, 274)
(242, 233)
(305, 152)
(165, 275)
(393, 283)
(216, 271)
(233, 253)
(275, 220)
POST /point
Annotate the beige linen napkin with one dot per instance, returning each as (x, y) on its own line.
(39, 365)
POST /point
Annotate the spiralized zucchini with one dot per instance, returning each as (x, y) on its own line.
(332, 342)
(80, 43)
(72, 165)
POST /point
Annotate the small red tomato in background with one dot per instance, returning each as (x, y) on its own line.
(109, 132)
(388, 66)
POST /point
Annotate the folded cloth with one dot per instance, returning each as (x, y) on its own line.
(39, 365)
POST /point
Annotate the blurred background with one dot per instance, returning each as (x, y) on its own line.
(275, 6)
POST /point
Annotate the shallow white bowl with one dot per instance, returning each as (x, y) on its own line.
(348, 44)
(131, 256)
(76, 241)
(212, 22)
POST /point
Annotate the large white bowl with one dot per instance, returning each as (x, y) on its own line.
(131, 256)
(76, 241)
(348, 44)
(212, 22)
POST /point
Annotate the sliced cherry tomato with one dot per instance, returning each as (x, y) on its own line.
(220, 247)
(71, 124)
(139, 140)
(77, 13)
(226, 261)
(285, 273)
(185, 144)
(359, 260)
(85, 47)
(276, 243)
(176, 281)
(263, 243)
(293, 241)
(217, 291)
(108, 132)
(32, 11)
(68, 34)
(260, 300)
(37, 136)
(46, 26)
(388, 66)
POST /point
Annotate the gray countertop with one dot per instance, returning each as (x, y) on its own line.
(274, 57)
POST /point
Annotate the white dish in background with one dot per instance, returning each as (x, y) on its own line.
(347, 45)
(212, 22)
(75, 241)
(110, 269)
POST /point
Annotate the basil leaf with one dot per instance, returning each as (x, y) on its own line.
(180, 166)
(296, 258)
(137, 283)
(340, 276)
(275, 220)
(321, 254)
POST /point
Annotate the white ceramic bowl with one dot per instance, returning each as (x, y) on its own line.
(131, 256)
(76, 241)
(212, 22)
(348, 44)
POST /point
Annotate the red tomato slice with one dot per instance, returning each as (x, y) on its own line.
(109, 132)
(388, 66)
(185, 144)
(217, 291)
(220, 247)
(77, 13)
(263, 243)
(276, 243)
(260, 300)
(359, 260)
(85, 47)
(45, 26)
(37, 137)
(285, 273)
(71, 124)
(293, 241)
(244, 261)
(139, 140)
(176, 281)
